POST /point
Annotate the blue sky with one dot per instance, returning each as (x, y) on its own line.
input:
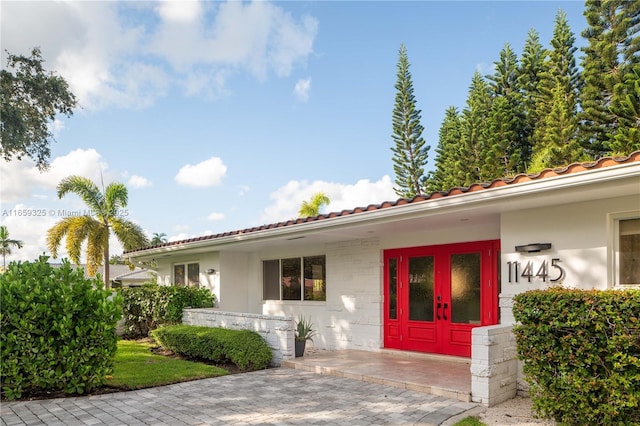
(221, 116)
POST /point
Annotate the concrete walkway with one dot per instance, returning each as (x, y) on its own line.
(279, 396)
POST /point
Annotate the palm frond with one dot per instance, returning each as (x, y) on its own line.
(85, 189)
(80, 229)
(56, 233)
(116, 197)
(130, 234)
(96, 243)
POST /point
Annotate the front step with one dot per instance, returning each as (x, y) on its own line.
(463, 396)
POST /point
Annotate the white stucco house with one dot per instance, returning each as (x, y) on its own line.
(436, 273)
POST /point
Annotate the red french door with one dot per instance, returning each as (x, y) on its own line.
(435, 295)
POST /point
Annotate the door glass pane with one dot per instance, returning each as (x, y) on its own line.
(465, 288)
(392, 303)
(421, 288)
(291, 273)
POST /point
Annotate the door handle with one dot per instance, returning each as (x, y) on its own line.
(438, 311)
(444, 311)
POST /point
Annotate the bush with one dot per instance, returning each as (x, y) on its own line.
(57, 329)
(581, 352)
(245, 348)
(150, 306)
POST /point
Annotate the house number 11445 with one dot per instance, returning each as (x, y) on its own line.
(553, 273)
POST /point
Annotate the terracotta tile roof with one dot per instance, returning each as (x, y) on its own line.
(520, 178)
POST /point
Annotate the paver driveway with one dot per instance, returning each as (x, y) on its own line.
(270, 397)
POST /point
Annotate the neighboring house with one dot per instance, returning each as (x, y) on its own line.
(420, 274)
(122, 275)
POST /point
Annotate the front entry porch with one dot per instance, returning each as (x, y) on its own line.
(445, 376)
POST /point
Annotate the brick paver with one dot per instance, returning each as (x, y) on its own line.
(270, 397)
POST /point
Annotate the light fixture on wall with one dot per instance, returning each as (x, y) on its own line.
(211, 271)
(533, 248)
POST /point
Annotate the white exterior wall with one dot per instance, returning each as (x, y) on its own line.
(580, 236)
(350, 318)
(234, 273)
(206, 261)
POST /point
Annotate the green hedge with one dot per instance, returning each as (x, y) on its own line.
(245, 348)
(581, 352)
(150, 306)
(57, 329)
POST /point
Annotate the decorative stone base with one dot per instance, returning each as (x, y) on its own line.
(494, 364)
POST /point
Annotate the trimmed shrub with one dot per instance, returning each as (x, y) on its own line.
(245, 348)
(57, 329)
(150, 306)
(581, 352)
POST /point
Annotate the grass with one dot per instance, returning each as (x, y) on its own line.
(136, 367)
(470, 421)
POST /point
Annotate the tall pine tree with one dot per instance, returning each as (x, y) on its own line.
(410, 152)
(474, 120)
(560, 85)
(506, 120)
(502, 156)
(445, 176)
(627, 105)
(532, 67)
(613, 34)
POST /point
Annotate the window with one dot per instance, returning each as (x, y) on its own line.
(296, 278)
(186, 274)
(628, 251)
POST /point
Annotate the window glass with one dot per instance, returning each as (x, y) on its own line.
(290, 279)
(421, 284)
(271, 280)
(178, 275)
(193, 271)
(393, 289)
(314, 278)
(629, 251)
(295, 278)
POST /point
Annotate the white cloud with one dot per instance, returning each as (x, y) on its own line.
(138, 182)
(21, 178)
(179, 11)
(302, 88)
(207, 173)
(31, 228)
(216, 216)
(287, 199)
(32, 231)
(115, 53)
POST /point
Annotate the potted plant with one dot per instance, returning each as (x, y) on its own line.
(304, 332)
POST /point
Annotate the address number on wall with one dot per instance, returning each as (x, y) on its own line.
(552, 272)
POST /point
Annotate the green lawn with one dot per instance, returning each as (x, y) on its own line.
(470, 421)
(136, 367)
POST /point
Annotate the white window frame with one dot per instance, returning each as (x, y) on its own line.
(186, 273)
(613, 260)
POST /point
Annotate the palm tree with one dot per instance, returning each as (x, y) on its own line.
(6, 243)
(107, 213)
(313, 206)
(158, 238)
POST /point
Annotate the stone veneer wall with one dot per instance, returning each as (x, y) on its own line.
(278, 332)
(494, 364)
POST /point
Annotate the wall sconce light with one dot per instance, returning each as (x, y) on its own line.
(533, 248)
(211, 271)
